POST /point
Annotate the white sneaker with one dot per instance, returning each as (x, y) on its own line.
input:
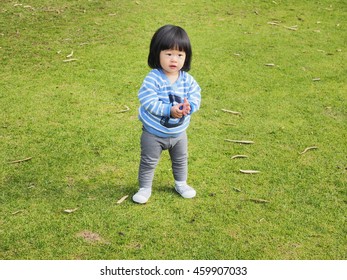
(185, 191)
(142, 195)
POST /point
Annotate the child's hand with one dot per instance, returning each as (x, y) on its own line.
(186, 107)
(180, 110)
(176, 112)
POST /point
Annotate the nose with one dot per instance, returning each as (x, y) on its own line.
(174, 58)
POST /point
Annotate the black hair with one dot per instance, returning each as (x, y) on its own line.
(169, 37)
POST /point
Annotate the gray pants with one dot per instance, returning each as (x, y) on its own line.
(151, 149)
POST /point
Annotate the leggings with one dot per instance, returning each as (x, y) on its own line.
(151, 149)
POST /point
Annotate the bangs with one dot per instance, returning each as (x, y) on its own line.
(175, 42)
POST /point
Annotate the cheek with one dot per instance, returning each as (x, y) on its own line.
(162, 59)
(162, 62)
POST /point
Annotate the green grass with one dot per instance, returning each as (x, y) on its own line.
(85, 154)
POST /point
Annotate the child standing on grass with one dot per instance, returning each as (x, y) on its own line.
(168, 97)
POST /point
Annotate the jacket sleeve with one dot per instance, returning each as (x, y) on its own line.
(149, 99)
(194, 96)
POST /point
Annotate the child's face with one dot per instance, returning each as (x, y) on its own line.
(172, 61)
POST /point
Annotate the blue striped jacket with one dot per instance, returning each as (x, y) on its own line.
(157, 95)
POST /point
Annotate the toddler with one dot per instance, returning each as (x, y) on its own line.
(168, 97)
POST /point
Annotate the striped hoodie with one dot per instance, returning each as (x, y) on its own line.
(157, 95)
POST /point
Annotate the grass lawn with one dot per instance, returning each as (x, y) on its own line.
(70, 69)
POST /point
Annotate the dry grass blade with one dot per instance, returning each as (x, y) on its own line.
(28, 6)
(125, 110)
(293, 28)
(307, 149)
(273, 23)
(21, 160)
(240, 141)
(231, 112)
(69, 55)
(17, 212)
(70, 60)
(236, 190)
(69, 211)
(239, 156)
(249, 171)
(316, 79)
(270, 64)
(122, 199)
